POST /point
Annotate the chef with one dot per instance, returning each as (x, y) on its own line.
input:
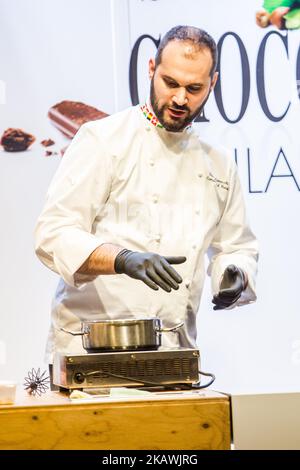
(139, 200)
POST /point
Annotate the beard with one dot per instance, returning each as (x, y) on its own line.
(174, 124)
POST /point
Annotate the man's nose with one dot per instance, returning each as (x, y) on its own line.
(180, 97)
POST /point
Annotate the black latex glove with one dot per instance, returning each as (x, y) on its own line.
(154, 270)
(232, 285)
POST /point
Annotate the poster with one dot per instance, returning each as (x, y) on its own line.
(54, 51)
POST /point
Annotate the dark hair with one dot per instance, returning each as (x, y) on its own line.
(198, 37)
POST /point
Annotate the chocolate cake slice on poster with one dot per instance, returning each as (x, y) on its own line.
(68, 116)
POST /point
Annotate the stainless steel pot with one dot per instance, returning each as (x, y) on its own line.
(121, 335)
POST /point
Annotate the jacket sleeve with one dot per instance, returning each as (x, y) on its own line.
(64, 236)
(234, 242)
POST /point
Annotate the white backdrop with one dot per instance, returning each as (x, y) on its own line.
(55, 50)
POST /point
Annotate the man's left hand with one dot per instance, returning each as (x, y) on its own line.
(233, 283)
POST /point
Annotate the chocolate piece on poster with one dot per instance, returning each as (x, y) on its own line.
(68, 116)
(16, 140)
(47, 142)
(48, 153)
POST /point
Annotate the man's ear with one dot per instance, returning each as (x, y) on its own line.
(214, 81)
(151, 67)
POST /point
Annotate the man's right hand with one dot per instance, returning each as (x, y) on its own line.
(154, 270)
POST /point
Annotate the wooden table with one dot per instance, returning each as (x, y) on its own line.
(166, 420)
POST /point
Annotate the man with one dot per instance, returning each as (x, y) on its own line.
(138, 194)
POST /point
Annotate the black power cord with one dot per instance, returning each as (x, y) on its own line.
(146, 383)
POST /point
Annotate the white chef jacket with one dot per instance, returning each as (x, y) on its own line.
(124, 181)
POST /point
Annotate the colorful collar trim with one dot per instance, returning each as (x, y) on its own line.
(153, 119)
(151, 116)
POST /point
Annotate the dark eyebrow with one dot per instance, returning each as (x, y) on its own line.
(174, 81)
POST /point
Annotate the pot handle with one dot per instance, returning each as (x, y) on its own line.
(73, 333)
(173, 328)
